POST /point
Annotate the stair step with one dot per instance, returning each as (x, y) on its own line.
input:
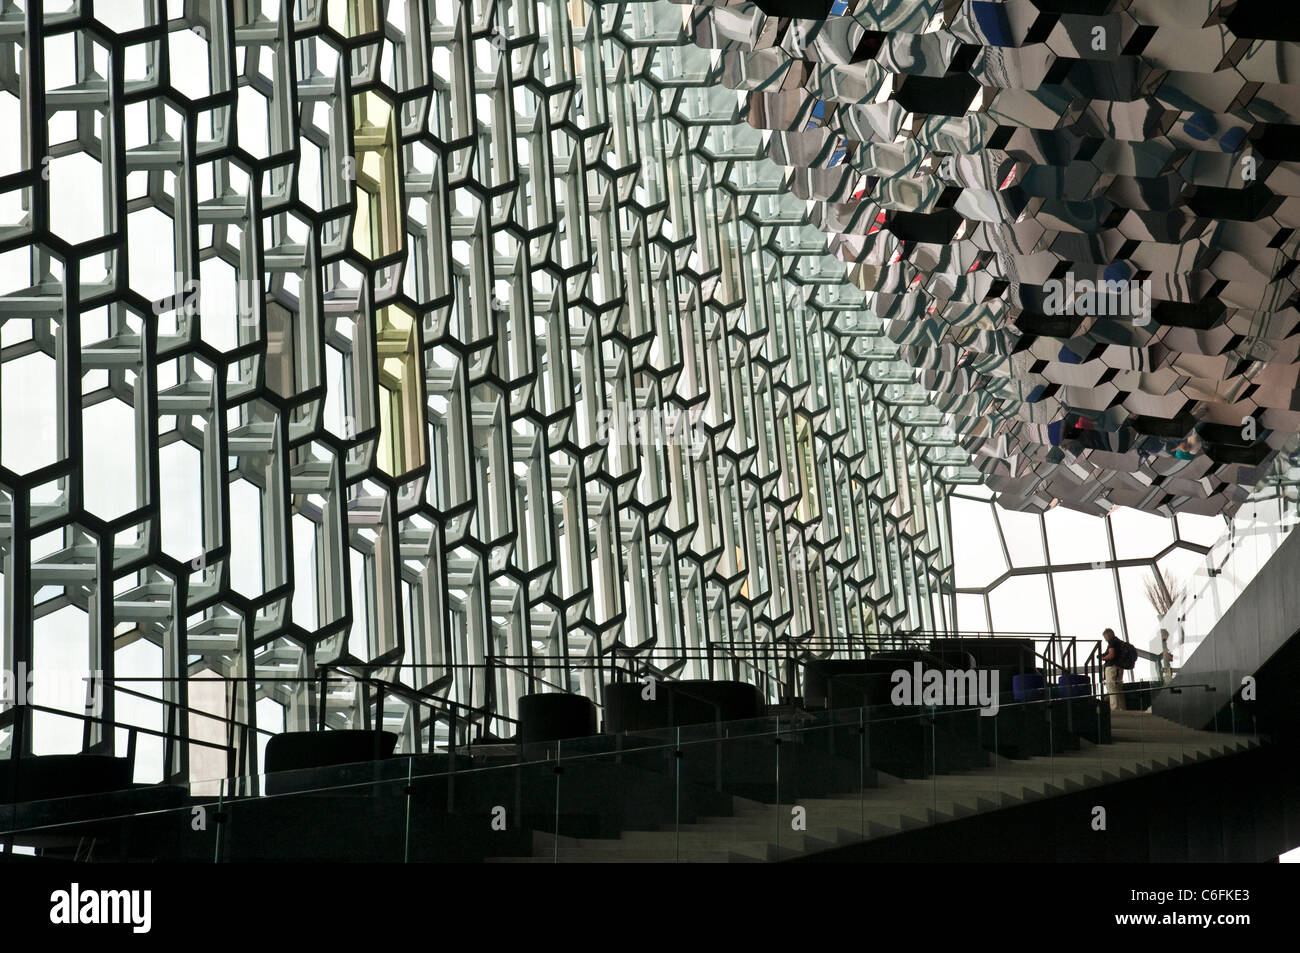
(758, 832)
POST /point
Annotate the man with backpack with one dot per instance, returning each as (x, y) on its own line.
(1119, 657)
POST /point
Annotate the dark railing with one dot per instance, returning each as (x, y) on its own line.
(773, 667)
(843, 733)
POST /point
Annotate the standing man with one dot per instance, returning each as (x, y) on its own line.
(1114, 674)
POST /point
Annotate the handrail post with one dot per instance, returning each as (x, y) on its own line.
(85, 732)
(253, 785)
(451, 764)
(379, 718)
(365, 702)
(320, 708)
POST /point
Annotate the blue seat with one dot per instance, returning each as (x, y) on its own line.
(1074, 686)
(1030, 686)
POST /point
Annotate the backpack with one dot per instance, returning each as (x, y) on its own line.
(1126, 655)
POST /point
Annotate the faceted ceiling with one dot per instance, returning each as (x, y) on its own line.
(982, 166)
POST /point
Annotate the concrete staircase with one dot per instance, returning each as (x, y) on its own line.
(1141, 744)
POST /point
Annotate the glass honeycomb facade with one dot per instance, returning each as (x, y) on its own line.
(475, 348)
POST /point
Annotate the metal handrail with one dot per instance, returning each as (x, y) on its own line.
(781, 730)
(765, 661)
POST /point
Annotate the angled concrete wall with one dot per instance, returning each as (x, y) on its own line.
(1253, 630)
